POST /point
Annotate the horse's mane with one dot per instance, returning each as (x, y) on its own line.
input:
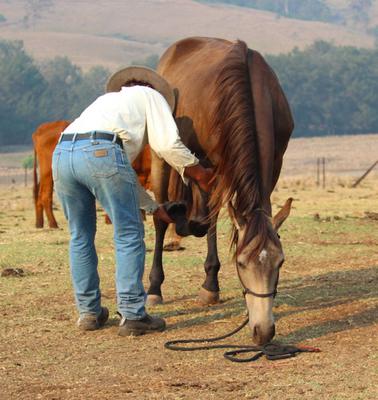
(236, 148)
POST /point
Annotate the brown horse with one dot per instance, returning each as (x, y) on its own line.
(45, 139)
(233, 114)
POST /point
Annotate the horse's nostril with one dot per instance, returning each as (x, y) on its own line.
(256, 330)
(273, 331)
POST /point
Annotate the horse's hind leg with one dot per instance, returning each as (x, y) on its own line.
(38, 212)
(49, 213)
(37, 196)
(47, 201)
(209, 293)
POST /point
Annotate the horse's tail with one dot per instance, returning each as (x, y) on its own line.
(35, 178)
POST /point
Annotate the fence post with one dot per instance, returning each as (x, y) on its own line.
(364, 175)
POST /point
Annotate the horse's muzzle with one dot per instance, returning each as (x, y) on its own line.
(262, 336)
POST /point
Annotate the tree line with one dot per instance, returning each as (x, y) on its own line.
(331, 90)
(316, 10)
(32, 93)
(355, 12)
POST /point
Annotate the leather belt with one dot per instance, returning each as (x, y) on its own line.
(96, 135)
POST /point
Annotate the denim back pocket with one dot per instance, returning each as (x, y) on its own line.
(101, 160)
(55, 165)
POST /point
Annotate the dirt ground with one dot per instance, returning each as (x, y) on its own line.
(327, 299)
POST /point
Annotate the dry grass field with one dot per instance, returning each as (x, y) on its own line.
(114, 34)
(327, 299)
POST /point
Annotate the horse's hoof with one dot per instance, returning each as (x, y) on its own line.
(154, 300)
(173, 246)
(206, 297)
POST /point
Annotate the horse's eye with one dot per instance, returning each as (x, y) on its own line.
(240, 264)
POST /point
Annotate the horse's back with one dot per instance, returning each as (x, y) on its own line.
(45, 138)
(190, 49)
(190, 65)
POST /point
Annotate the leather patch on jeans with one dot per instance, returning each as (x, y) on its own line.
(101, 153)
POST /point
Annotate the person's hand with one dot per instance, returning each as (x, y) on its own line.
(161, 214)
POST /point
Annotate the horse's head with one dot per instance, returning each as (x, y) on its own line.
(259, 257)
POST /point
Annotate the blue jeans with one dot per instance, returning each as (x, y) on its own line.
(84, 171)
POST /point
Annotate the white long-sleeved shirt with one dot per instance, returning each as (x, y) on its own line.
(138, 115)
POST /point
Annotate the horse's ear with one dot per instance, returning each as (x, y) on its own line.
(238, 222)
(281, 216)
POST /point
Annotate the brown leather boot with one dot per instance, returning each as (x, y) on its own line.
(91, 322)
(147, 324)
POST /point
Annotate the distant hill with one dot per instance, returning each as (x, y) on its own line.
(357, 13)
(311, 10)
(113, 34)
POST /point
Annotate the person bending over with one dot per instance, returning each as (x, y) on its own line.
(92, 161)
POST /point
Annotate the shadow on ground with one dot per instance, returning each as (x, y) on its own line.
(303, 294)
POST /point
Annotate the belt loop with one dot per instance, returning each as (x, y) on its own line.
(114, 137)
(60, 137)
(93, 137)
(73, 141)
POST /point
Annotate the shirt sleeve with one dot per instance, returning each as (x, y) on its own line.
(146, 202)
(163, 135)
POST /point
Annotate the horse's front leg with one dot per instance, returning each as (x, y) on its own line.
(157, 272)
(160, 171)
(209, 293)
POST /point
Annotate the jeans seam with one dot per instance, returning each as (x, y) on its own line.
(136, 210)
(56, 166)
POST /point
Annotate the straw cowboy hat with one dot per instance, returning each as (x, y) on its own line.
(144, 74)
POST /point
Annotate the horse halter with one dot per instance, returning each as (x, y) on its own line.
(261, 295)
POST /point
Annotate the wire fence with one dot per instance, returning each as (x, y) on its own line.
(16, 177)
(319, 161)
(321, 172)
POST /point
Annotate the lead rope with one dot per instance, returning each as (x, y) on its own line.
(272, 351)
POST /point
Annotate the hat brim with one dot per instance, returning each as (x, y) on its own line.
(140, 73)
